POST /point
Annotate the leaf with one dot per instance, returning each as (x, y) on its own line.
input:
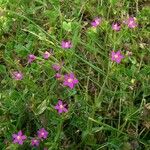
(41, 108)
(12, 146)
(67, 26)
(113, 2)
(2, 69)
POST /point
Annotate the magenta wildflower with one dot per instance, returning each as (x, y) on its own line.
(66, 44)
(35, 142)
(42, 133)
(56, 67)
(31, 58)
(116, 26)
(116, 56)
(19, 138)
(17, 75)
(46, 55)
(131, 22)
(96, 22)
(70, 80)
(57, 75)
(60, 107)
(45, 148)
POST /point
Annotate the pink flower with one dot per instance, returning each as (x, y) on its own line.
(19, 138)
(42, 133)
(35, 142)
(131, 22)
(31, 58)
(66, 44)
(116, 26)
(70, 80)
(60, 107)
(116, 56)
(57, 75)
(96, 22)
(17, 75)
(46, 55)
(56, 67)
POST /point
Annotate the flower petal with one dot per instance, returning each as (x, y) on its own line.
(56, 107)
(75, 81)
(65, 109)
(60, 102)
(24, 137)
(20, 142)
(20, 133)
(14, 135)
(60, 111)
(71, 85)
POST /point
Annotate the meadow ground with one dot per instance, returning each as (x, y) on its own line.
(74, 75)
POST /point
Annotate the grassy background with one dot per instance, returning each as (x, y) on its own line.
(110, 107)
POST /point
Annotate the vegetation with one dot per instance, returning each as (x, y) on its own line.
(105, 102)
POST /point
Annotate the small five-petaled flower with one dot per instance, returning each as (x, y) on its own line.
(58, 75)
(46, 55)
(56, 67)
(96, 22)
(31, 58)
(19, 138)
(66, 44)
(116, 56)
(131, 22)
(42, 133)
(17, 75)
(116, 26)
(35, 142)
(60, 107)
(70, 80)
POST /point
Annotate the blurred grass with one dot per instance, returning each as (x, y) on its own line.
(109, 109)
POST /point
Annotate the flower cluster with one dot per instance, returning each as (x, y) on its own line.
(32, 57)
(67, 44)
(130, 22)
(69, 80)
(19, 138)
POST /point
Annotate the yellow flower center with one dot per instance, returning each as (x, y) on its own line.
(116, 56)
(18, 137)
(66, 44)
(18, 75)
(97, 21)
(42, 133)
(61, 106)
(70, 80)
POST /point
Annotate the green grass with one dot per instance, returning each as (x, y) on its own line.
(109, 108)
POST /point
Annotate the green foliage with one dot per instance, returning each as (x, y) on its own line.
(109, 108)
